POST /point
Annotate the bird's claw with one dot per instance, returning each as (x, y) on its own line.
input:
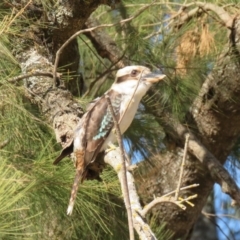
(111, 148)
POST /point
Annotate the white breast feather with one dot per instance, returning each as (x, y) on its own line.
(128, 109)
(129, 105)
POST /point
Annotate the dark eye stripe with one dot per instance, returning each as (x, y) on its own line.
(125, 78)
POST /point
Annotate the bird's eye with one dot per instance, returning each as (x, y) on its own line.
(134, 73)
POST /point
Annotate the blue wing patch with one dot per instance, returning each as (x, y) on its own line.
(107, 121)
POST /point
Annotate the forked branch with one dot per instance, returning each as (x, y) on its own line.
(144, 231)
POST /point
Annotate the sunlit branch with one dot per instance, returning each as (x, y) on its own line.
(144, 231)
(182, 167)
(164, 199)
(113, 158)
(124, 172)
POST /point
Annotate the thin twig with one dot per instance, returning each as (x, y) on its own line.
(182, 167)
(183, 188)
(208, 215)
(58, 53)
(32, 74)
(124, 178)
(163, 199)
(108, 70)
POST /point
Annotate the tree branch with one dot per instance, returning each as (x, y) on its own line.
(217, 171)
(109, 48)
(58, 53)
(222, 14)
(124, 174)
(57, 105)
(113, 158)
(163, 199)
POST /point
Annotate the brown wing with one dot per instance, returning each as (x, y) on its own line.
(99, 124)
(69, 149)
(93, 119)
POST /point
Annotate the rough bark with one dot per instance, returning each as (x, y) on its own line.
(163, 178)
(104, 45)
(57, 104)
(66, 17)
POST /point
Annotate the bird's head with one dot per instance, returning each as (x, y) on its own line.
(135, 77)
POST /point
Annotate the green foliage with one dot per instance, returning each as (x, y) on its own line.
(34, 194)
(186, 55)
(37, 191)
(162, 233)
(14, 186)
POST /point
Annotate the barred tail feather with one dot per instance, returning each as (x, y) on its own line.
(77, 179)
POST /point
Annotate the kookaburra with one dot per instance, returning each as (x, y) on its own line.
(94, 132)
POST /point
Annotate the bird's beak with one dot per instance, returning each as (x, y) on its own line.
(154, 77)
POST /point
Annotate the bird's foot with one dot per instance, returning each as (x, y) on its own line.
(111, 147)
